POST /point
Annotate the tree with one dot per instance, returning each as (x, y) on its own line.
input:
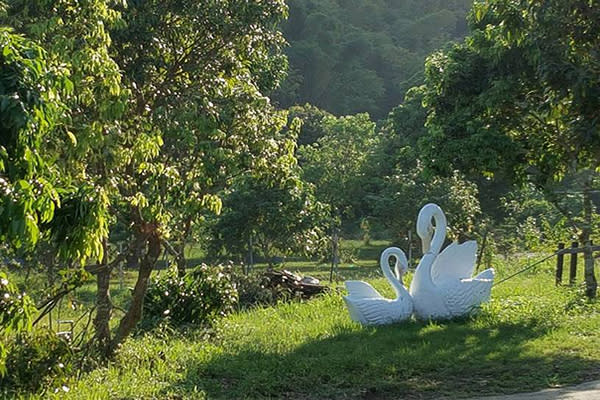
(167, 105)
(334, 163)
(277, 217)
(97, 146)
(198, 74)
(401, 183)
(311, 117)
(524, 86)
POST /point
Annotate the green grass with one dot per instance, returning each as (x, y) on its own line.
(75, 305)
(530, 336)
(364, 265)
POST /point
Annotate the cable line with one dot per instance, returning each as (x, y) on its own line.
(526, 268)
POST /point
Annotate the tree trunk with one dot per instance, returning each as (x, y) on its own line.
(103, 304)
(250, 256)
(147, 264)
(135, 253)
(591, 284)
(266, 252)
(136, 250)
(335, 257)
(180, 258)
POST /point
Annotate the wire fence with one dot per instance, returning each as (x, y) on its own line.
(527, 268)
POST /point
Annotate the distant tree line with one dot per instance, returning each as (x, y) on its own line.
(349, 56)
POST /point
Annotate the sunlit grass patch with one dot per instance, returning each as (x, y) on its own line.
(531, 335)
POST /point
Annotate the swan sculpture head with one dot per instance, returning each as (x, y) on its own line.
(400, 263)
(425, 228)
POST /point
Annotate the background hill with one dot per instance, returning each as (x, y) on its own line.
(349, 56)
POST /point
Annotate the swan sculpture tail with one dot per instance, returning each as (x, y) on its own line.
(487, 274)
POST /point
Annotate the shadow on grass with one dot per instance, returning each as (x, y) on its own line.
(411, 361)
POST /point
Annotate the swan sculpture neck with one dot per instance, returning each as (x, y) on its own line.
(387, 271)
(431, 247)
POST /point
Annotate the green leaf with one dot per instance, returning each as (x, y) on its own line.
(72, 138)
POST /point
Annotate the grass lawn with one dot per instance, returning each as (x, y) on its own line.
(363, 256)
(530, 336)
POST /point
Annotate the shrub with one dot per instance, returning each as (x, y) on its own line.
(256, 289)
(198, 297)
(37, 360)
(348, 252)
(16, 310)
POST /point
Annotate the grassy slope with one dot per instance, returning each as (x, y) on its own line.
(529, 337)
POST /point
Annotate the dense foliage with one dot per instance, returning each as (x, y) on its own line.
(350, 56)
(30, 108)
(270, 219)
(403, 185)
(38, 361)
(524, 86)
(255, 289)
(16, 314)
(336, 161)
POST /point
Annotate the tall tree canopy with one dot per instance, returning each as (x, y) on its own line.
(520, 97)
(30, 109)
(401, 185)
(335, 162)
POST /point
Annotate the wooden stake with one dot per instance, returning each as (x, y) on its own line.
(560, 258)
(573, 269)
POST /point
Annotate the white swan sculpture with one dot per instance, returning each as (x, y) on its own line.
(442, 286)
(368, 307)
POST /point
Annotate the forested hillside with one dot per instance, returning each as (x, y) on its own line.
(349, 56)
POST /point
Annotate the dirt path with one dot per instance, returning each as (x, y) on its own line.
(584, 391)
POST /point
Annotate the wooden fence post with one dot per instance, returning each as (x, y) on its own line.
(559, 264)
(573, 270)
(481, 249)
(335, 257)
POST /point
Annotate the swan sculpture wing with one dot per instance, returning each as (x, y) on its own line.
(361, 290)
(455, 262)
(487, 274)
(466, 295)
(380, 311)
